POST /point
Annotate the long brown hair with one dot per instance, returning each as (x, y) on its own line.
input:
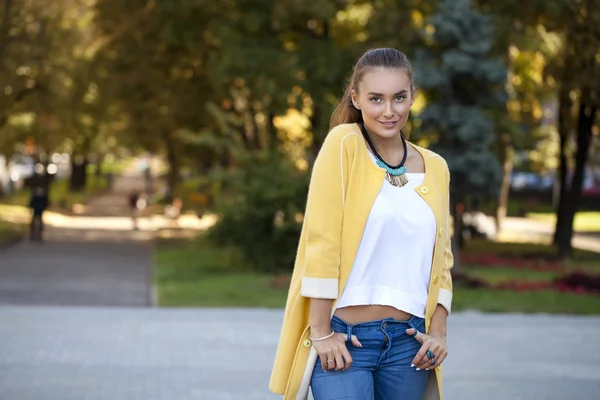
(389, 58)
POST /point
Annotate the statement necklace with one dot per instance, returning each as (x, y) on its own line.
(395, 175)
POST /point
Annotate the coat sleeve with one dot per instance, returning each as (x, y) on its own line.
(445, 294)
(323, 220)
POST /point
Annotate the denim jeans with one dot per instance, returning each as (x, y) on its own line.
(380, 369)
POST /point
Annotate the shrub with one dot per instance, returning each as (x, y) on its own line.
(260, 206)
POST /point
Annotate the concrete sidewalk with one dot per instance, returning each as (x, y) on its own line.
(81, 273)
(217, 354)
(531, 230)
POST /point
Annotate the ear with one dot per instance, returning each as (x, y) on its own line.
(354, 97)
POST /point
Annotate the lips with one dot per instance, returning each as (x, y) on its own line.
(389, 124)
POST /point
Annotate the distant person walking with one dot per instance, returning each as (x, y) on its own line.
(38, 204)
(133, 208)
(173, 212)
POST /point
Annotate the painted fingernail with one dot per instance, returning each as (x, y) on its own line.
(418, 369)
(426, 369)
(412, 365)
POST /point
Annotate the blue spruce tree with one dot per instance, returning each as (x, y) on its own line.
(464, 85)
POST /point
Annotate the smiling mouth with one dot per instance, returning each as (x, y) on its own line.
(390, 123)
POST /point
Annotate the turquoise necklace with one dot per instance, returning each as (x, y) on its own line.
(395, 175)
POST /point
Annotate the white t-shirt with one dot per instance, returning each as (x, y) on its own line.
(393, 262)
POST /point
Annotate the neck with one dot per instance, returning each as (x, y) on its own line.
(390, 149)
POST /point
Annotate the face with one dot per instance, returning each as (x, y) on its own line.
(384, 97)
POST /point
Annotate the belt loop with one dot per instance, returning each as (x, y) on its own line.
(349, 333)
(411, 323)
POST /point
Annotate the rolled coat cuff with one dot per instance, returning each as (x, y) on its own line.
(445, 299)
(319, 288)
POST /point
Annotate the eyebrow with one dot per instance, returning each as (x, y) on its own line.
(395, 94)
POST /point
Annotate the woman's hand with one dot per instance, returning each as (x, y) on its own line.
(333, 352)
(433, 343)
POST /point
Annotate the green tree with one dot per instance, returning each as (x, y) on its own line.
(579, 99)
(463, 84)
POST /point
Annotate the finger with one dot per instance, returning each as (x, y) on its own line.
(339, 361)
(418, 336)
(436, 350)
(347, 359)
(425, 363)
(439, 359)
(355, 341)
(420, 354)
(323, 358)
(331, 361)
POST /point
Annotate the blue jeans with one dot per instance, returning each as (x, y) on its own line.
(380, 369)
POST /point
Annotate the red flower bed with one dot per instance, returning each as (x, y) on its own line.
(578, 282)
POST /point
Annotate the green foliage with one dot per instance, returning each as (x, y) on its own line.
(463, 83)
(259, 206)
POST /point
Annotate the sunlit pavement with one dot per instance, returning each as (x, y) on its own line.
(216, 354)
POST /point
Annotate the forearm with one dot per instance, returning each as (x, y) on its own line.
(320, 317)
(438, 321)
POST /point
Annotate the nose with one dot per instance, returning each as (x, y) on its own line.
(388, 111)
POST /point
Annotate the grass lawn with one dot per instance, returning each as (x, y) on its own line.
(546, 301)
(585, 221)
(189, 274)
(9, 231)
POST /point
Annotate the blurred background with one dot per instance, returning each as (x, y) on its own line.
(157, 153)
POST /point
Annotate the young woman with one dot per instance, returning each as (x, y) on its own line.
(371, 288)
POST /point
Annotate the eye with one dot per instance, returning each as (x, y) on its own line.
(375, 99)
(400, 97)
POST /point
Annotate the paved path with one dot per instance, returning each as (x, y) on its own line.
(532, 230)
(208, 354)
(77, 273)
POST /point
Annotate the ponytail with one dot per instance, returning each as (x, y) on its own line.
(345, 112)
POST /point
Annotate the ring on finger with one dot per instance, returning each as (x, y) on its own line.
(432, 361)
(430, 354)
(328, 361)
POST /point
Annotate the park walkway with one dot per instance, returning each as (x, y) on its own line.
(226, 354)
(83, 261)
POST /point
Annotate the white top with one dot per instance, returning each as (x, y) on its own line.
(393, 262)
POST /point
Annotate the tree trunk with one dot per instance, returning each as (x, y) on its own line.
(99, 160)
(585, 123)
(506, 158)
(78, 178)
(564, 108)
(456, 211)
(4, 29)
(173, 177)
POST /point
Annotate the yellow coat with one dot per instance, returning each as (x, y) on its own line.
(343, 187)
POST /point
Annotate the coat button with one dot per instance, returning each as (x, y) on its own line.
(439, 367)
(441, 232)
(424, 190)
(307, 343)
(436, 279)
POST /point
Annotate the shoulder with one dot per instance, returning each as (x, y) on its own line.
(346, 135)
(431, 157)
